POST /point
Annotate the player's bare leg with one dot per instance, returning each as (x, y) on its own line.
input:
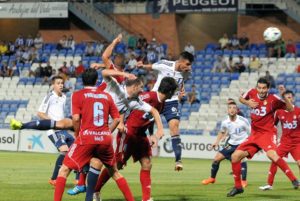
(176, 143)
(63, 173)
(62, 152)
(236, 158)
(272, 155)
(214, 169)
(145, 178)
(45, 124)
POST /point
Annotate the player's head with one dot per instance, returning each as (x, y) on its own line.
(57, 84)
(262, 87)
(119, 61)
(168, 87)
(232, 109)
(185, 61)
(288, 94)
(89, 77)
(134, 87)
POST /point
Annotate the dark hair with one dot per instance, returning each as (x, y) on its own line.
(186, 55)
(57, 77)
(263, 80)
(89, 77)
(232, 103)
(168, 86)
(288, 92)
(136, 81)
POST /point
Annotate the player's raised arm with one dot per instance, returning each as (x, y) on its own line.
(140, 64)
(97, 66)
(114, 113)
(221, 135)
(108, 73)
(108, 51)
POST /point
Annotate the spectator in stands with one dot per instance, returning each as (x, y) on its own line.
(34, 55)
(68, 85)
(240, 66)
(152, 56)
(20, 41)
(62, 43)
(89, 49)
(290, 49)
(11, 69)
(79, 69)
(71, 69)
(192, 95)
(219, 65)
(38, 41)
(26, 56)
(39, 71)
(223, 42)
(99, 48)
(190, 48)
(276, 49)
(234, 43)
(153, 44)
(230, 65)
(48, 80)
(71, 42)
(142, 42)
(254, 64)
(271, 79)
(64, 69)
(4, 69)
(243, 41)
(29, 41)
(132, 62)
(11, 48)
(160, 51)
(132, 42)
(48, 70)
(3, 48)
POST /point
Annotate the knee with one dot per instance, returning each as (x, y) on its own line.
(63, 171)
(272, 155)
(96, 163)
(146, 165)
(235, 157)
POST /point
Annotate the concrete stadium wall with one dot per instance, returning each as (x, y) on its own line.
(255, 26)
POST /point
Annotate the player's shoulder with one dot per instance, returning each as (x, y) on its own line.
(225, 120)
(146, 95)
(165, 62)
(275, 97)
(49, 96)
(243, 119)
(250, 92)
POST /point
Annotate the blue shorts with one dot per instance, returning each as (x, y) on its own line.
(228, 150)
(60, 138)
(171, 111)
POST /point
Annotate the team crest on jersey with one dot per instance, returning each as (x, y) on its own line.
(174, 109)
(265, 102)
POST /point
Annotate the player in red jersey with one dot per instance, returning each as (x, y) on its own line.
(90, 113)
(290, 139)
(263, 132)
(135, 142)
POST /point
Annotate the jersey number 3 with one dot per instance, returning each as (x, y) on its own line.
(98, 114)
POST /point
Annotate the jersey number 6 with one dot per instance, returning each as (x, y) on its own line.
(98, 114)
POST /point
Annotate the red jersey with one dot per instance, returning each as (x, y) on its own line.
(290, 123)
(94, 107)
(140, 119)
(120, 79)
(262, 117)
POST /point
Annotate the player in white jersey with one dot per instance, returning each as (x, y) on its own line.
(180, 71)
(238, 129)
(53, 107)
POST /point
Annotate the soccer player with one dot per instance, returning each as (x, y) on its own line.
(90, 113)
(290, 139)
(52, 108)
(238, 129)
(179, 70)
(263, 132)
(135, 142)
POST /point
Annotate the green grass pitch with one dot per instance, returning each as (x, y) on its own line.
(24, 176)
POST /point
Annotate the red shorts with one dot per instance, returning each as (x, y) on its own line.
(284, 149)
(80, 155)
(257, 141)
(133, 144)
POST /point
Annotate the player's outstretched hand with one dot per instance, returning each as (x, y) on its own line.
(118, 39)
(252, 103)
(130, 76)
(153, 140)
(95, 66)
(214, 145)
(140, 64)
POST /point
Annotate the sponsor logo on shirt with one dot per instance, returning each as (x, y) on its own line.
(288, 125)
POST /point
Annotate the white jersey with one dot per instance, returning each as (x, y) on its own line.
(167, 69)
(237, 130)
(120, 96)
(54, 106)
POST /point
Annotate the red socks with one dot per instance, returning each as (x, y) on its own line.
(103, 178)
(236, 169)
(145, 180)
(123, 186)
(286, 169)
(272, 172)
(59, 188)
(82, 179)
